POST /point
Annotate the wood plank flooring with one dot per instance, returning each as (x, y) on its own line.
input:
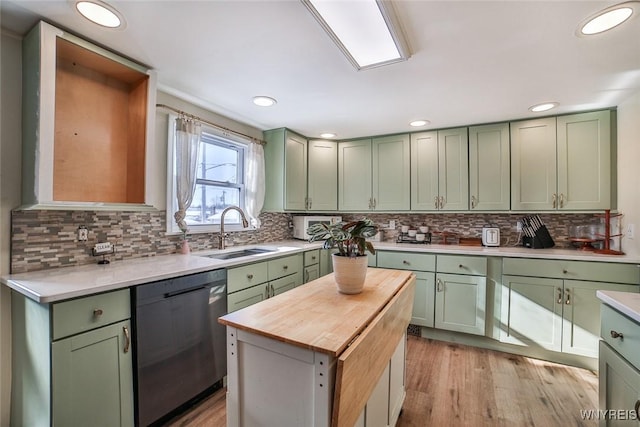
(456, 385)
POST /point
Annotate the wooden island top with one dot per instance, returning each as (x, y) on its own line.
(316, 316)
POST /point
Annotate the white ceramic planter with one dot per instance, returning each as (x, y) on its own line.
(349, 273)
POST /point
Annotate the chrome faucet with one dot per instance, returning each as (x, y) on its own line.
(222, 236)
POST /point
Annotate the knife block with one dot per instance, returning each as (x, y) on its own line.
(541, 240)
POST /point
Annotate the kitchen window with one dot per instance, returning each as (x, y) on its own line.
(219, 181)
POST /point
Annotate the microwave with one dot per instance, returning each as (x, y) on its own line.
(302, 222)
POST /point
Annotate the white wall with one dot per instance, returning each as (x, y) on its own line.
(628, 176)
(10, 178)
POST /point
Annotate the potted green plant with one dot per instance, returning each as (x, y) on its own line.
(350, 262)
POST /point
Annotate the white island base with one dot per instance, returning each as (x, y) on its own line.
(313, 357)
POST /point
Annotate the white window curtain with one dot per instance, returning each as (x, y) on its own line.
(254, 185)
(187, 155)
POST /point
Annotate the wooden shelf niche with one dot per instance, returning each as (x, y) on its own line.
(100, 128)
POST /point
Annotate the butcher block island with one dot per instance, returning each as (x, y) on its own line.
(315, 357)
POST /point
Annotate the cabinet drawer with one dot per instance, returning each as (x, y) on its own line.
(247, 297)
(83, 314)
(244, 277)
(577, 270)
(456, 264)
(406, 260)
(629, 345)
(285, 266)
(311, 257)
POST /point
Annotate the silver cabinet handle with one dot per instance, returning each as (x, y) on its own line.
(375, 203)
(554, 200)
(273, 291)
(370, 202)
(559, 295)
(249, 276)
(474, 201)
(405, 262)
(306, 275)
(285, 267)
(97, 312)
(440, 286)
(561, 200)
(435, 202)
(568, 300)
(442, 202)
(310, 203)
(615, 334)
(127, 339)
(266, 291)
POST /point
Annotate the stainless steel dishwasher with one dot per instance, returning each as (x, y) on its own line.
(180, 346)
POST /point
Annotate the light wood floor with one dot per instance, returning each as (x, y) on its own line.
(456, 385)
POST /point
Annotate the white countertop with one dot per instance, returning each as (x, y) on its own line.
(58, 284)
(627, 303)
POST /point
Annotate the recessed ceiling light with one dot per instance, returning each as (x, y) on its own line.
(607, 19)
(264, 101)
(100, 13)
(543, 107)
(419, 123)
(328, 135)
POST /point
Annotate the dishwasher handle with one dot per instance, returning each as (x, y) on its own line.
(183, 291)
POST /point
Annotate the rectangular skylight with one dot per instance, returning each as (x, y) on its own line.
(363, 30)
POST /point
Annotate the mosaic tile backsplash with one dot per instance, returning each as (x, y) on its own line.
(43, 239)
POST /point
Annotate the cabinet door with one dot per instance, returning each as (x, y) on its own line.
(311, 272)
(489, 168)
(397, 381)
(424, 299)
(533, 164)
(619, 389)
(531, 314)
(453, 169)
(581, 315)
(391, 163)
(92, 378)
(424, 171)
(584, 161)
(460, 303)
(295, 172)
(322, 185)
(354, 175)
(285, 284)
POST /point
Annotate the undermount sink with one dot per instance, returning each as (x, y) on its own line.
(241, 253)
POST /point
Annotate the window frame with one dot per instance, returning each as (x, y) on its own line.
(218, 137)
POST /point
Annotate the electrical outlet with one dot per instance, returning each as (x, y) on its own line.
(392, 224)
(629, 232)
(83, 234)
(519, 226)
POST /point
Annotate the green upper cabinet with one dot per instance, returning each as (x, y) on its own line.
(391, 173)
(373, 174)
(562, 163)
(533, 164)
(354, 175)
(440, 170)
(584, 161)
(489, 168)
(285, 157)
(322, 185)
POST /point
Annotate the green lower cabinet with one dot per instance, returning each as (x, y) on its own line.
(555, 314)
(531, 315)
(284, 284)
(311, 272)
(92, 378)
(424, 299)
(619, 389)
(460, 303)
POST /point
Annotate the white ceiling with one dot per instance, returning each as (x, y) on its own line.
(472, 61)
